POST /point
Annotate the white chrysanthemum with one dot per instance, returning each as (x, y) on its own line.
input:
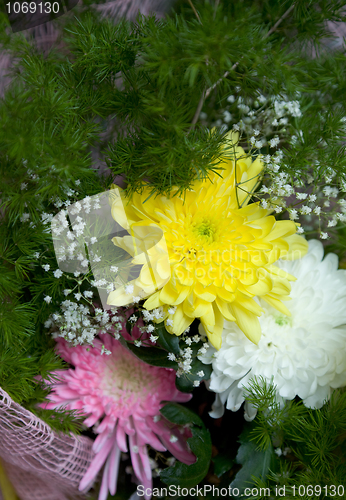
(304, 354)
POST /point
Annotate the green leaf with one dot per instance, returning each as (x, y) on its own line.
(129, 327)
(180, 474)
(185, 382)
(255, 464)
(222, 463)
(168, 341)
(152, 356)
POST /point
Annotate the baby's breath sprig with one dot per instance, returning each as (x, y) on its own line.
(79, 324)
(269, 125)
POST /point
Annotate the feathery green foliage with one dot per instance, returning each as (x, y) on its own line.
(313, 440)
(131, 95)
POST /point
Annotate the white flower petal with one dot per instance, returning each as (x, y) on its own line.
(302, 354)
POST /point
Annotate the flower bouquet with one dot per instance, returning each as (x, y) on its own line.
(173, 298)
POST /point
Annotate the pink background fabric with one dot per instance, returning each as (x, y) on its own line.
(40, 464)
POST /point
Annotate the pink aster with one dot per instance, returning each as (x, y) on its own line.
(121, 396)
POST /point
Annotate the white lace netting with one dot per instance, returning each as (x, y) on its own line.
(40, 464)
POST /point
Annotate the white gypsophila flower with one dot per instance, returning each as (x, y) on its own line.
(293, 214)
(305, 210)
(129, 289)
(24, 217)
(58, 273)
(301, 196)
(303, 354)
(274, 142)
(227, 117)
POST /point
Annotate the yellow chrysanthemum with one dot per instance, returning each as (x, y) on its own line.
(221, 251)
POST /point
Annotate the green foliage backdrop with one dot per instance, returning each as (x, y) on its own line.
(141, 98)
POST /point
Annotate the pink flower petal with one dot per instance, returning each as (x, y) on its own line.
(121, 438)
(103, 493)
(96, 465)
(113, 471)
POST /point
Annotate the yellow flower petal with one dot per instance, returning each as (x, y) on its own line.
(119, 298)
(213, 327)
(282, 228)
(249, 304)
(153, 302)
(277, 304)
(194, 306)
(168, 294)
(180, 322)
(225, 309)
(247, 322)
(298, 248)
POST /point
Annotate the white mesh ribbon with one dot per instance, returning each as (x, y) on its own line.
(41, 464)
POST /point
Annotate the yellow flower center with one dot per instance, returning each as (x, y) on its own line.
(205, 229)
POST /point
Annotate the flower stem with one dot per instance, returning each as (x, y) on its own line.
(194, 10)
